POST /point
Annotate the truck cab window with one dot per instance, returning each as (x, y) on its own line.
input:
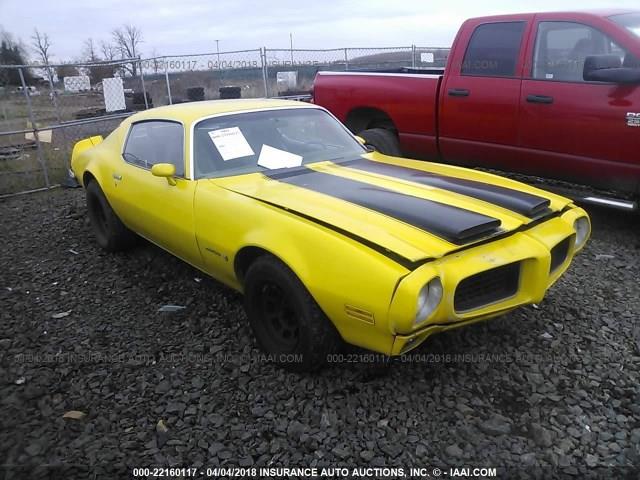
(151, 142)
(562, 47)
(493, 50)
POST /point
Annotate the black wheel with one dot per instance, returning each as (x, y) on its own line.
(288, 324)
(384, 141)
(110, 232)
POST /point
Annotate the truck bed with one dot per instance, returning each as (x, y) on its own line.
(412, 99)
(405, 70)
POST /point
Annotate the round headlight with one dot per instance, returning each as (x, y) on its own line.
(582, 228)
(428, 300)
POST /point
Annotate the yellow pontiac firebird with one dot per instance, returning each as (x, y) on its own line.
(326, 239)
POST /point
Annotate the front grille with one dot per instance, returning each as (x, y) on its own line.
(559, 254)
(487, 287)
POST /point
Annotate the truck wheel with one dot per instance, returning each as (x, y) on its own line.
(288, 324)
(384, 141)
(110, 232)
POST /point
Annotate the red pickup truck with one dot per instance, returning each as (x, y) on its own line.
(548, 94)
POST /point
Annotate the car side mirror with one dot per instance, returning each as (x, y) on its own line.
(608, 68)
(166, 170)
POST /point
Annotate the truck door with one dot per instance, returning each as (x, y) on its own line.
(571, 128)
(481, 91)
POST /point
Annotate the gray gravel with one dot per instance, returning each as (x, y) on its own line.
(556, 385)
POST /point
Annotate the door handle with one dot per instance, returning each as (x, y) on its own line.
(458, 92)
(539, 99)
(117, 176)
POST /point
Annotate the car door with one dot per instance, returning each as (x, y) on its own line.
(571, 128)
(480, 95)
(153, 207)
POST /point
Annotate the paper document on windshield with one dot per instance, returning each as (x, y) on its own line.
(273, 158)
(231, 143)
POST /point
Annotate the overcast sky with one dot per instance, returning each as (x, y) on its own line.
(192, 26)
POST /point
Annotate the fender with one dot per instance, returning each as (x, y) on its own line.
(78, 165)
(324, 277)
(348, 268)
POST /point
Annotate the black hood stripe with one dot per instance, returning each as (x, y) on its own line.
(453, 224)
(520, 202)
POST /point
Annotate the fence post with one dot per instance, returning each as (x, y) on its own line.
(413, 56)
(54, 98)
(166, 78)
(265, 71)
(346, 60)
(144, 90)
(34, 128)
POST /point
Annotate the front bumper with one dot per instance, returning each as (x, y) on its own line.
(529, 249)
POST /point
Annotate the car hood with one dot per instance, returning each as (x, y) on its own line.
(406, 209)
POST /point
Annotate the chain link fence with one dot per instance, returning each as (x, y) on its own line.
(45, 109)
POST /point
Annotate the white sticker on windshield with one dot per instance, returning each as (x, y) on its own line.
(231, 143)
(272, 158)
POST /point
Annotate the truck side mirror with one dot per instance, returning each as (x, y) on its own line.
(608, 68)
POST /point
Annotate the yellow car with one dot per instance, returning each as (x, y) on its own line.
(326, 239)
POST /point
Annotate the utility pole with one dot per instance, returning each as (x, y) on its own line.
(291, 46)
(218, 51)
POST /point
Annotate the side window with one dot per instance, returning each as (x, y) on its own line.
(151, 142)
(493, 50)
(562, 47)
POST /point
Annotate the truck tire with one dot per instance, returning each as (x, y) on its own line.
(384, 141)
(110, 232)
(288, 324)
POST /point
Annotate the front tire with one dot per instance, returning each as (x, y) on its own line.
(288, 324)
(110, 232)
(384, 141)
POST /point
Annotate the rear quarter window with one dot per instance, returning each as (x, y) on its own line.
(493, 50)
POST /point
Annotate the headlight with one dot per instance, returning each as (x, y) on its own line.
(428, 300)
(582, 228)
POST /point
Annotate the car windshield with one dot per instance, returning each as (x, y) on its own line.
(251, 142)
(631, 21)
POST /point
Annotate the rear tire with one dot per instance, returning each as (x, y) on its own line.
(288, 324)
(110, 232)
(384, 141)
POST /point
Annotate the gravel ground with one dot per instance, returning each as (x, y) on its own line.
(555, 386)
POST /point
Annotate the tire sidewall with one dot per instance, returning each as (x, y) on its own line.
(259, 274)
(383, 141)
(101, 228)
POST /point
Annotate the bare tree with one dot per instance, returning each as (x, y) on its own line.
(108, 50)
(127, 40)
(100, 70)
(90, 52)
(156, 61)
(41, 45)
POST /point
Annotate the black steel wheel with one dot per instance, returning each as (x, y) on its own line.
(288, 324)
